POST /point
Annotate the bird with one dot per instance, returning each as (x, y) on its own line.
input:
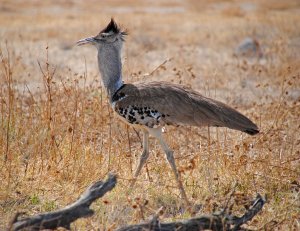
(153, 105)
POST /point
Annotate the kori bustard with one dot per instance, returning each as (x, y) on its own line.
(151, 106)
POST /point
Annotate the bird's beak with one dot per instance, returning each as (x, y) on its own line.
(85, 41)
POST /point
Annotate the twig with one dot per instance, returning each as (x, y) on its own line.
(155, 69)
(154, 221)
(224, 210)
(6, 62)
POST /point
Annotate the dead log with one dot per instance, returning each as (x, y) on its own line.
(64, 217)
(215, 222)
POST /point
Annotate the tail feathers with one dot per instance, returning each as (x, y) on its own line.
(238, 121)
(251, 131)
(233, 119)
(215, 113)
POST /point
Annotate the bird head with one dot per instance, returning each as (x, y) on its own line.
(110, 35)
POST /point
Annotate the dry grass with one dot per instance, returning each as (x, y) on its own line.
(58, 133)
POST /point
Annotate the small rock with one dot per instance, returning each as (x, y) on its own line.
(249, 47)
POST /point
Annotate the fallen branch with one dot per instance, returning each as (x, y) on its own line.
(250, 213)
(216, 222)
(64, 217)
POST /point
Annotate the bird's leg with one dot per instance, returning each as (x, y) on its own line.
(143, 158)
(157, 132)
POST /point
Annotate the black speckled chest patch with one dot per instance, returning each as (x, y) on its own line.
(141, 115)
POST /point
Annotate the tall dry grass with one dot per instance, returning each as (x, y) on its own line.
(58, 141)
(59, 138)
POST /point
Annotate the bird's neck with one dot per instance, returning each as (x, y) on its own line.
(110, 66)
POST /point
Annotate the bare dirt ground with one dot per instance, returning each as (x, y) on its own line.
(58, 134)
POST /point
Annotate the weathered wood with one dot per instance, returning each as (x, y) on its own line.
(216, 222)
(64, 217)
(249, 214)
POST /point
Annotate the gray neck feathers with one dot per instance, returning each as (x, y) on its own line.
(110, 65)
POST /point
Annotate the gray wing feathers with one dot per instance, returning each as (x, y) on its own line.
(182, 106)
(220, 114)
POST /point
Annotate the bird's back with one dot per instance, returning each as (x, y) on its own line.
(161, 103)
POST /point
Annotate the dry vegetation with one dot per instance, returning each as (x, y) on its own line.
(58, 133)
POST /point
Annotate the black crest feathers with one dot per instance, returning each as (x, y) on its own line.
(111, 27)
